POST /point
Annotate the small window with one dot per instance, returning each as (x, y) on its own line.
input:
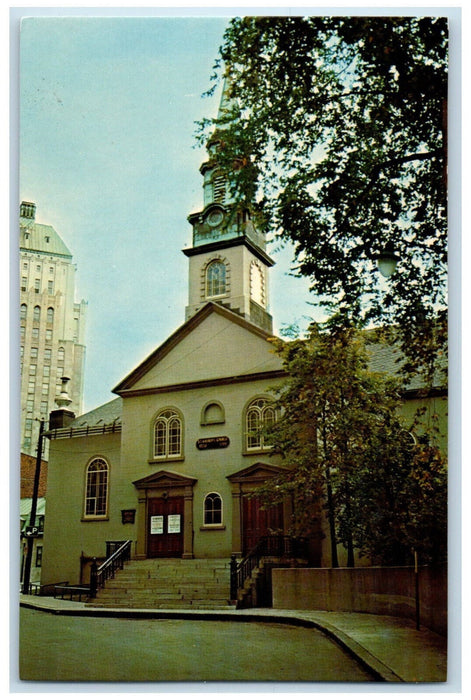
(50, 315)
(34, 353)
(96, 488)
(24, 282)
(23, 310)
(213, 509)
(35, 333)
(37, 285)
(50, 287)
(60, 356)
(215, 279)
(219, 188)
(37, 313)
(212, 413)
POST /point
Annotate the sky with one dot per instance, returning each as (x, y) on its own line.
(108, 153)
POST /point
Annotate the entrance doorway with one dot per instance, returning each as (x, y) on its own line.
(258, 522)
(165, 527)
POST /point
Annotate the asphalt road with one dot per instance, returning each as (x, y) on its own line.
(63, 648)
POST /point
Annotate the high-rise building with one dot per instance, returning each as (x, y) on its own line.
(52, 325)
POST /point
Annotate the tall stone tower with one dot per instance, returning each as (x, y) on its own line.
(52, 325)
(228, 262)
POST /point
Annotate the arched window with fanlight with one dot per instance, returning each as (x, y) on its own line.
(96, 488)
(213, 509)
(167, 435)
(215, 278)
(260, 416)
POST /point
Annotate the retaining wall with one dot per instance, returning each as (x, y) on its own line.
(377, 590)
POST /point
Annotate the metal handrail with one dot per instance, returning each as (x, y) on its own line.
(269, 545)
(100, 574)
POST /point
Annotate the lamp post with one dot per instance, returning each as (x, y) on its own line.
(57, 419)
(32, 530)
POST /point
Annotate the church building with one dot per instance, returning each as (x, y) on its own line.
(169, 462)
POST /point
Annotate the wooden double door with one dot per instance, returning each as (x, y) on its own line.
(165, 527)
(258, 522)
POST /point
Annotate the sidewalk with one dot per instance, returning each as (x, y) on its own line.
(390, 647)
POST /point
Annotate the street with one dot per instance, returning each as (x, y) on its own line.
(74, 648)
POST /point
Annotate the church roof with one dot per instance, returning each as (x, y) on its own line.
(388, 360)
(103, 419)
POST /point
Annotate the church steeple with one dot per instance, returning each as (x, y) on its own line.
(228, 260)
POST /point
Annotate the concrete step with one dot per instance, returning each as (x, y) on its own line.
(168, 583)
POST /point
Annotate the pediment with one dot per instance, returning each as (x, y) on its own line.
(260, 471)
(189, 357)
(164, 479)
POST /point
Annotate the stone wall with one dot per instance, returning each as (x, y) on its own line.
(378, 590)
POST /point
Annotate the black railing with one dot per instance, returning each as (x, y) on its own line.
(100, 574)
(281, 546)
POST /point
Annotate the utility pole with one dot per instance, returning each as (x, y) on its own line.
(32, 530)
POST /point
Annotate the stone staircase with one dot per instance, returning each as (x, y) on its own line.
(195, 584)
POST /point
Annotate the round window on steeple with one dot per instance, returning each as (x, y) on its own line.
(215, 218)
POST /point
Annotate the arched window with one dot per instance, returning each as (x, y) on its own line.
(215, 278)
(213, 509)
(23, 310)
(96, 488)
(50, 315)
(260, 416)
(167, 435)
(36, 313)
(257, 287)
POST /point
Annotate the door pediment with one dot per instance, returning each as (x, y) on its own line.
(260, 471)
(164, 479)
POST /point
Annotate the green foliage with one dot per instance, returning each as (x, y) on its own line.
(350, 453)
(338, 126)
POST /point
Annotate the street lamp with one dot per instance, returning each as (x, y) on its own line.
(57, 419)
(32, 530)
(387, 261)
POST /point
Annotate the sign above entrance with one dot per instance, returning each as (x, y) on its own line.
(212, 443)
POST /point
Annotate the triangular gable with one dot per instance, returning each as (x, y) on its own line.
(221, 340)
(260, 471)
(164, 478)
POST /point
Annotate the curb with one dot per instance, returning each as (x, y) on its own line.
(377, 668)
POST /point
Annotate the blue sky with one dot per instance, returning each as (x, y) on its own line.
(107, 152)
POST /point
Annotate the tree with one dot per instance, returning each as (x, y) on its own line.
(337, 127)
(351, 455)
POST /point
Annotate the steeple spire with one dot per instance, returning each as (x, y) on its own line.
(228, 260)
